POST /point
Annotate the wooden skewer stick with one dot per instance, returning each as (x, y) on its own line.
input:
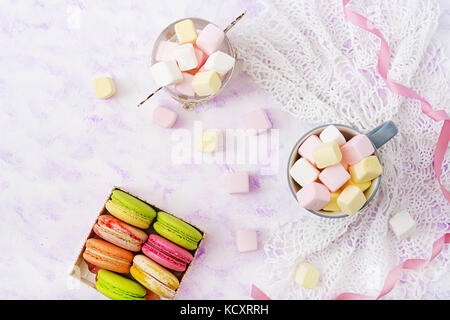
(151, 95)
(231, 25)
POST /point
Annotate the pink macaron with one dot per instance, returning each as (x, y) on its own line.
(119, 233)
(167, 253)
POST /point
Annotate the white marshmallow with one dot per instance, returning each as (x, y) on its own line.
(331, 133)
(219, 62)
(402, 224)
(186, 58)
(166, 73)
(303, 172)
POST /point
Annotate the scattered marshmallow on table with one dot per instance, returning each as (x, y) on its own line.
(220, 62)
(185, 86)
(186, 31)
(307, 147)
(166, 51)
(164, 117)
(307, 275)
(313, 196)
(185, 56)
(357, 148)
(332, 205)
(258, 120)
(334, 177)
(327, 155)
(402, 224)
(365, 170)
(210, 39)
(330, 134)
(208, 141)
(166, 73)
(303, 172)
(238, 182)
(246, 240)
(104, 88)
(350, 200)
(206, 83)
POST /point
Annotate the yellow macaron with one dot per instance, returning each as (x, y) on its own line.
(154, 277)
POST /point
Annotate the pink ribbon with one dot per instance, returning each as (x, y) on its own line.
(383, 65)
(257, 294)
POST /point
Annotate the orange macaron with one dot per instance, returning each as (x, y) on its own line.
(107, 256)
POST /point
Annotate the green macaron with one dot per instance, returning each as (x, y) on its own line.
(133, 204)
(117, 287)
(177, 230)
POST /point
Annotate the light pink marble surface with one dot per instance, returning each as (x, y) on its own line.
(62, 149)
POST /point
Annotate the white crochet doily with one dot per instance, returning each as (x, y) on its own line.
(322, 69)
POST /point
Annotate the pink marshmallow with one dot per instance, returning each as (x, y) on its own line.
(164, 117)
(334, 177)
(356, 149)
(344, 164)
(307, 147)
(201, 57)
(258, 120)
(166, 51)
(210, 39)
(246, 240)
(238, 182)
(185, 86)
(313, 196)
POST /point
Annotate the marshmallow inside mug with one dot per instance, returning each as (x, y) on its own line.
(348, 133)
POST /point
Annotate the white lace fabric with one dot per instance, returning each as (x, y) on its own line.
(321, 68)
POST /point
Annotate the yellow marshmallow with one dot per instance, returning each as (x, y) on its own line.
(351, 200)
(367, 169)
(306, 275)
(104, 88)
(208, 141)
(327, 154)
(332, 205)
(371, 189)
(206, 83)
(186, 31)
(362, 185)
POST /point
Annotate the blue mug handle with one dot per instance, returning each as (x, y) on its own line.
(383, 133)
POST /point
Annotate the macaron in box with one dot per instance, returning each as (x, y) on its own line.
(154, 277)
(135, 246)
(119, 233)
(118, 287)
(166, 253)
